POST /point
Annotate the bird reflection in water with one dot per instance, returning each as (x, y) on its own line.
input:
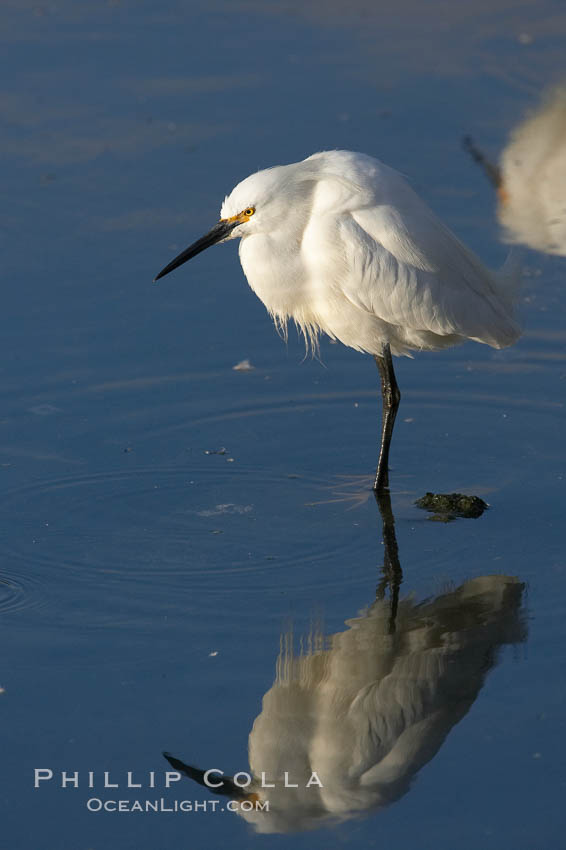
(531, 177)
(367, 708)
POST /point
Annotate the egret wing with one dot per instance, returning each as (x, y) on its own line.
(407, 268)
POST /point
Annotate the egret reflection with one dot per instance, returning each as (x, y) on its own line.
(531, 177)
(366, 708)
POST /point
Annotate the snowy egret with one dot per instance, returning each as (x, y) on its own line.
(366, 710)
(531, 177)
(341, 244)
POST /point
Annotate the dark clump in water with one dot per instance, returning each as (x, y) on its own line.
(446, 507)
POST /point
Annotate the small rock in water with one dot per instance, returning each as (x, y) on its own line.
(243, 366)
(446, 507)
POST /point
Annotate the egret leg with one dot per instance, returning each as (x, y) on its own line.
(392, 574)
(391, 398)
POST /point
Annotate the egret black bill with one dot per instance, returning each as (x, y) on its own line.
(219, 232)
(221, 785)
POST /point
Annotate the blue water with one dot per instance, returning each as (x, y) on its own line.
(166, 518)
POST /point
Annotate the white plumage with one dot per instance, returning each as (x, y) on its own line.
(341, 244)
(532, 192)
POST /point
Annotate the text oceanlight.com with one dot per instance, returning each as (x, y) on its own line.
(95, 804)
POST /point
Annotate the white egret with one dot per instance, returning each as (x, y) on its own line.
(531, 177)
(341, 244)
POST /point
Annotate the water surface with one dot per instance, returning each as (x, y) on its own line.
(166, 518)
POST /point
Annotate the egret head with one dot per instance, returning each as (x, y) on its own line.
(254, 204)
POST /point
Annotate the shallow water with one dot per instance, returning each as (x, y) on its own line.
(167, 518)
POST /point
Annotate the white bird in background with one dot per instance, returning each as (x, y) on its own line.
(368, 709)
(341, 244)
(531, 177)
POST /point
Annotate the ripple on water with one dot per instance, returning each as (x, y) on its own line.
(123, 546)
(20, 593)
(108, 546)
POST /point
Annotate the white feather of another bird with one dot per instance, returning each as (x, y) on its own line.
(532, 206)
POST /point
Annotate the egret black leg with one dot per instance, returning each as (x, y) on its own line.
(392, 574)
(391, 398)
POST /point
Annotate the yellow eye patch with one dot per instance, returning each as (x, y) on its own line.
(242, 216)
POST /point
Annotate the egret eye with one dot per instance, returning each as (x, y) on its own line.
(250, 211)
